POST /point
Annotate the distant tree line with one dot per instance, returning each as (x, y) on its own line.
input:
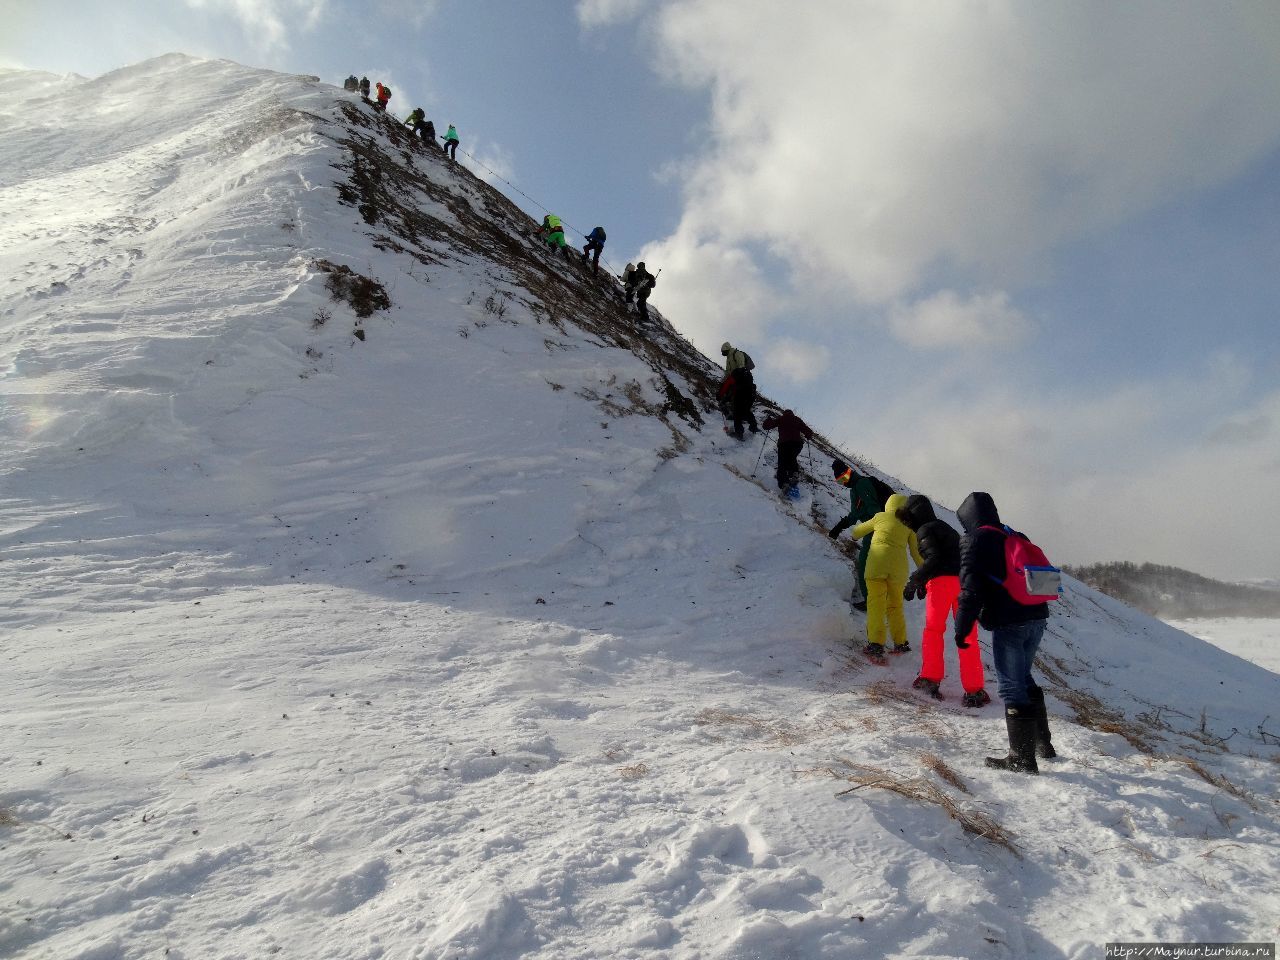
(1176, 594)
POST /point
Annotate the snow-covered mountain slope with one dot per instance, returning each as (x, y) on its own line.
(472, 636)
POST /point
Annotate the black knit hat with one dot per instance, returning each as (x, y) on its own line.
(838, 467)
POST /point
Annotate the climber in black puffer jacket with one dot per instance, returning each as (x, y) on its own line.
(937, 582)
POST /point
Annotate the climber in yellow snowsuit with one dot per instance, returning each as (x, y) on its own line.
(891, 540)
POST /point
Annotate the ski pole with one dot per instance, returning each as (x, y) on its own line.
(764, 443)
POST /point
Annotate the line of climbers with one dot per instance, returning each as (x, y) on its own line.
(417, 120)
(636, 281)
(992, 575)
(969, 578)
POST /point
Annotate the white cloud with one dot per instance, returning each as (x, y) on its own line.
(268, 23)
(797, 361)
(716, 290)
(945, 320)
(869, 144)
(599, 13)
(1091, 474)
(414, 12)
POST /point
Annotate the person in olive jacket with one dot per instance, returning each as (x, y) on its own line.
(937, 582)
(864, 503)
(1016, 632)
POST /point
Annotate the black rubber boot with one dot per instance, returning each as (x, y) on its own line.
(1044, 743)
(1020, 722)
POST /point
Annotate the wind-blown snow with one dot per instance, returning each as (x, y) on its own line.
(456, 641)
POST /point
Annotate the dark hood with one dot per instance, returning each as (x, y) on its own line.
(917, 512)
(978, 510)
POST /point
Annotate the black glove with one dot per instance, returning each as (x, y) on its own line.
(961, 644)
(909, 591)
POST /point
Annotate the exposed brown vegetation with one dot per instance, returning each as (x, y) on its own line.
(363, 294)
(975, 822)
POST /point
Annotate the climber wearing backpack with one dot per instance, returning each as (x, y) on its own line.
(865, 501)
(384, 94)
(937, 582)
(595, 245)
(792, 432)
(351, 84)
(552, 232)
(989, 552)
(417, 120)
(891, 541)
(634, 279)
(364, 88)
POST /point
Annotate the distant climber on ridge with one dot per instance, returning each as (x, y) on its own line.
(451, 142)
(638, 283)
(552, 232)
(595, 245)
(364, 88)
(417, 121)
(351, 84)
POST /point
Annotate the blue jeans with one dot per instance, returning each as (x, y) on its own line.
(1013, 649)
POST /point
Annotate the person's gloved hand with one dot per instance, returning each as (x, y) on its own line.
(960, 643)
(909, 591)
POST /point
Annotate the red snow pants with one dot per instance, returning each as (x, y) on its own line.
(941, 596)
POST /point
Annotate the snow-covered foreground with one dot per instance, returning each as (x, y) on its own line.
(1254, 639)
(466, 640)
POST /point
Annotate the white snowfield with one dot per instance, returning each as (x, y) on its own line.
(458, 641)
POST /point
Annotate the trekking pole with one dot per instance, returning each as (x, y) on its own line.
(763, 444)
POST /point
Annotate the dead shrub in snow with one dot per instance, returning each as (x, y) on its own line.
(778, 731)
(1093, 713)
(939, 766)
(885, 690)
(363, 294)
(633, 772)
(7, 819)
(1219, 781)
(972, 821)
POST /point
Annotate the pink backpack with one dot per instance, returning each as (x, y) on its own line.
(1029, 576)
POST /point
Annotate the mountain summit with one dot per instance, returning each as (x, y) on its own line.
(378, 586)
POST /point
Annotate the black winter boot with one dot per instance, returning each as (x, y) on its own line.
(1044, 744)
(1020, 722)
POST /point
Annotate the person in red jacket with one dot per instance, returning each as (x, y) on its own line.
(384, 94)
(792, 432)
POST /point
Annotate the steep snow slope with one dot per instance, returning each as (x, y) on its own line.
(474, 637)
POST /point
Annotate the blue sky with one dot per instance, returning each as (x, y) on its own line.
(1027, 248)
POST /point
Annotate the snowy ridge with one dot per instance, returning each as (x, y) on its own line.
(474, 637)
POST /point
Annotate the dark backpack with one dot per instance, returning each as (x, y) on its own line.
(883, 490)
(747, 362)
